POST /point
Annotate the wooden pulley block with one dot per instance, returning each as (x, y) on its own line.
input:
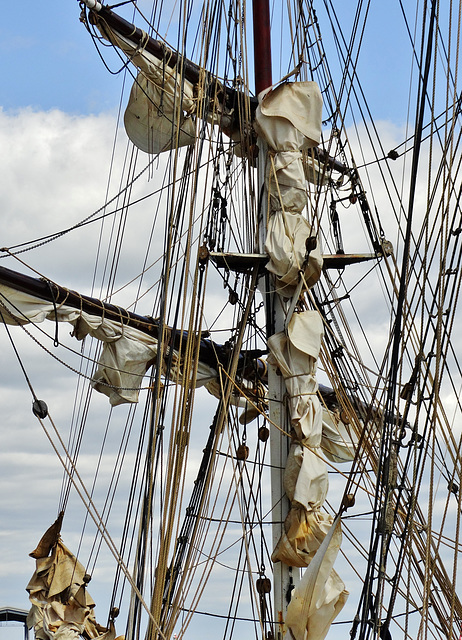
(242, 452)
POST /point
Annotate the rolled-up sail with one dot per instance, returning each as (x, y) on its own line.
(158, 114)
(62, 608)
(306, 484)
(128, 352)
(164, 102)
(288, 119)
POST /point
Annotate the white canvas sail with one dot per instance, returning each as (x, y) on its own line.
(306, 480)
(158, 114)
(289, 120)
(127, 353)
(62, 608)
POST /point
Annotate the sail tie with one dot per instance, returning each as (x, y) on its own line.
(56, 338)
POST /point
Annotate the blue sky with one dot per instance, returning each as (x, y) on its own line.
(49, 62)
(48, 59)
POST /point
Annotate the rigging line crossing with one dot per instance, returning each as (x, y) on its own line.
(226, 395)
(451, 320)
(91, 218)
(382, 487)
(244, 619)
(116, 476)
(191, 512)
(81, 489)
(92, 510)
(187, 375)
(390, 176)
(247, 536)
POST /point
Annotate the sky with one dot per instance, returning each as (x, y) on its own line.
(58, 108)
(58, 111)
(49, 62)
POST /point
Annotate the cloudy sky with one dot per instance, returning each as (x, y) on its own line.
(58, 114)
(58, 109)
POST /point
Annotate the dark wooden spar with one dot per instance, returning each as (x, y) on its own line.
(210, 352)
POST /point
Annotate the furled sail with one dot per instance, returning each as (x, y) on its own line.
(161, 103)
(288, 119)
(155, 119)
(62, 608)
(306, 480)
(320, 595)
(305, 476)
(338, 443)
(164, 102)
(127, 352)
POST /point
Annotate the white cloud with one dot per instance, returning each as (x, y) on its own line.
(55, 173)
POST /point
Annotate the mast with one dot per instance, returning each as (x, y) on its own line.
(262, 45)
(283, 580)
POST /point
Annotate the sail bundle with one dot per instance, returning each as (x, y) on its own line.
(158, 114)
(164, 102)
(288, 119)
(62, 608)
(307, 527)
(127, 353)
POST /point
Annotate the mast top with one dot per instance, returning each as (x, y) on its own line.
(93, 4)
(262, 45)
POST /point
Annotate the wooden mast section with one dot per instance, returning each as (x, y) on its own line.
(262, 45)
